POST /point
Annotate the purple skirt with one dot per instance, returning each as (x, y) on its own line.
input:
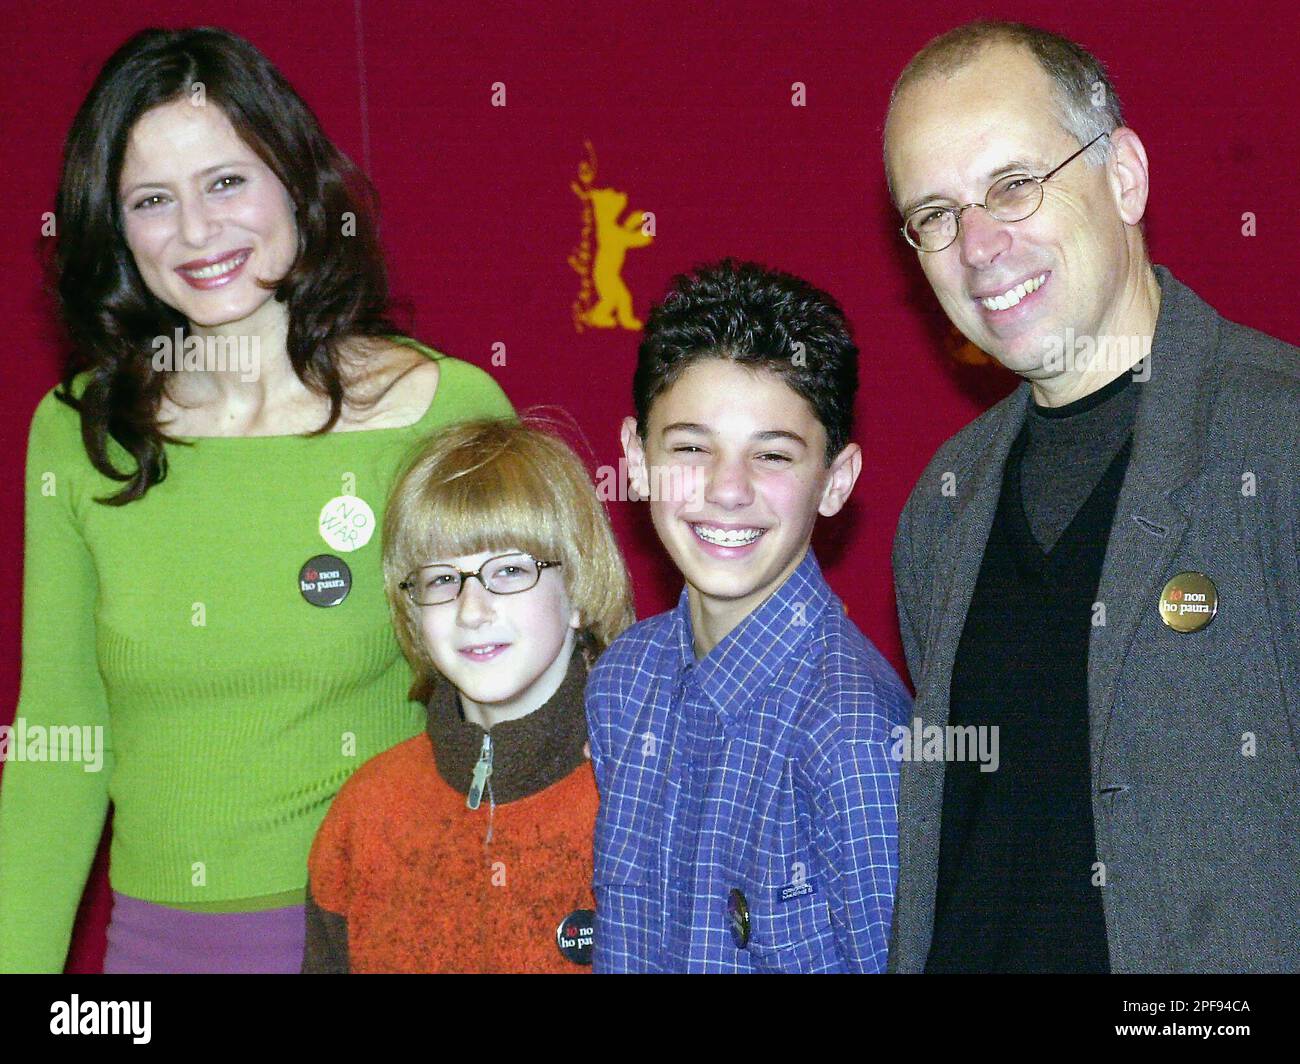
(149, 939)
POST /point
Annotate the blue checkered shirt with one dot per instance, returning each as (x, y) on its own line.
(763, 768)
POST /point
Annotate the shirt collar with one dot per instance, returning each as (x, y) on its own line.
(748, 658)
(528, 754)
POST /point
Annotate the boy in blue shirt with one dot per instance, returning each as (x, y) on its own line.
(742, 740)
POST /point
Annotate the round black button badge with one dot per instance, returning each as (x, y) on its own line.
(325, 580)
(574, 935)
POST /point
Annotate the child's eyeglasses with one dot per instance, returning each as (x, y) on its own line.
(506, 574)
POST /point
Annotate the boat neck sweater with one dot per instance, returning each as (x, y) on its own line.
(232, 709)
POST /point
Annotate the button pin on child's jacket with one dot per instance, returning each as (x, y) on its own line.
(575, 934)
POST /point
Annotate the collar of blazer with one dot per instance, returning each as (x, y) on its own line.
(1154, 505)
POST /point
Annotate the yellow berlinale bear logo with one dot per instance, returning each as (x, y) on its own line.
(604, 301)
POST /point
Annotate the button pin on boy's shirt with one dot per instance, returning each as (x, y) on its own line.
(738, 917)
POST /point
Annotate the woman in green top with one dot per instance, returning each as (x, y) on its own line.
(206, 643)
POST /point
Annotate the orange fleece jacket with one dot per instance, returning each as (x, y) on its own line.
(403, 862)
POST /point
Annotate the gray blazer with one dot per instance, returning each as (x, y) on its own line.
(1195, 738)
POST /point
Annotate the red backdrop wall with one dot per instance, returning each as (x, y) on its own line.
(689, 110)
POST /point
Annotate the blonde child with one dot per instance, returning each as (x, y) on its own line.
(469, 848)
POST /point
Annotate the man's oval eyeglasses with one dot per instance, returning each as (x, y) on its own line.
(1012, 198)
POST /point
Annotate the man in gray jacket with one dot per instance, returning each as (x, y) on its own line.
(1097, 579)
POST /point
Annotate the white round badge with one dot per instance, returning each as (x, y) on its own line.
(347, 523)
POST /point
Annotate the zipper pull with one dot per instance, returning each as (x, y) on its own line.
(482, 772)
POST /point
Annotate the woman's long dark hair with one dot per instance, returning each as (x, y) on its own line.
(336, 288)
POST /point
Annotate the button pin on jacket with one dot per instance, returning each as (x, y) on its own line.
(1189, 602)
(575, 934)
(738, 916)
(324, 580)
(346, 523)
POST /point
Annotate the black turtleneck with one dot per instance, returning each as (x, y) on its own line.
(528, 754)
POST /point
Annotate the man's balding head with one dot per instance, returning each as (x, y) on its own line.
(1083, 98)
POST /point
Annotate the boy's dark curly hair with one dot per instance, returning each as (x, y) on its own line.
(759, 318)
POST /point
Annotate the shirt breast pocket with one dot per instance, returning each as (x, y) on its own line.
(790, 930)
(625, 884)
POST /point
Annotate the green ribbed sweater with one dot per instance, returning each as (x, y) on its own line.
(232, 709)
